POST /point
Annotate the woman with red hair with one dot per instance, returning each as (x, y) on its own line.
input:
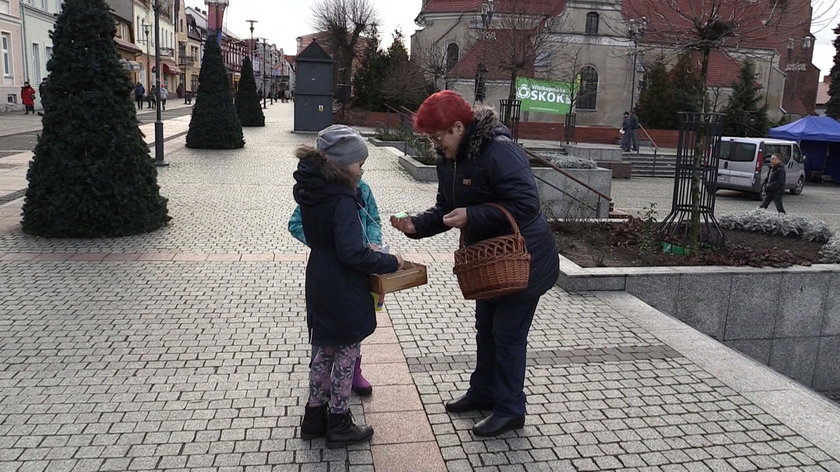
(479, 163)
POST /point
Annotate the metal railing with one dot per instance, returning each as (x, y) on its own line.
(600, 196)
(653, 145)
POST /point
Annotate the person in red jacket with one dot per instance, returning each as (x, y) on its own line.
(27, 94)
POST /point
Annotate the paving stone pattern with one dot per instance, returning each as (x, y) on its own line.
(202, 365)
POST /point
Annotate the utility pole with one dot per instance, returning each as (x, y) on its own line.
(251, 44)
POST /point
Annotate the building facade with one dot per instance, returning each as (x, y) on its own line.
(11, 47)
(604, 48)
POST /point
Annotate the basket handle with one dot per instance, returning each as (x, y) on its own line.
(504, 212)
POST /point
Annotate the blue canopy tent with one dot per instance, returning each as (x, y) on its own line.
(819, 139)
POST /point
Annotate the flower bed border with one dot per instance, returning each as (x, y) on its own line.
(785, 318)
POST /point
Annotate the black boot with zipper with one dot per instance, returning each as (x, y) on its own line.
(341, 431)
(314, 424)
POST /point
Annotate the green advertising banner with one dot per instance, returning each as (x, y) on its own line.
(544, 96)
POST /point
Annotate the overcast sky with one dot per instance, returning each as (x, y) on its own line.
(281, 21)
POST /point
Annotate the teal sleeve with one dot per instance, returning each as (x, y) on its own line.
(373, 223)
(296, 225)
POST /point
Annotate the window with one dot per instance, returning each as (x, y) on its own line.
(452, 53)
(587, 98)
(6, 42)
(36, 62)
(592, 23)
(47, 55)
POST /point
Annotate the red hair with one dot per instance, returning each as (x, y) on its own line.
(440, 111)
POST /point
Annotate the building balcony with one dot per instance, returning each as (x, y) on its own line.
(167, 52)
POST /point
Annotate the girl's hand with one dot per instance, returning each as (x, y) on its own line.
(456, 218)
(403, 224)
(400, 261)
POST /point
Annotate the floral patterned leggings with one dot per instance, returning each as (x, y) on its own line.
(331, 376)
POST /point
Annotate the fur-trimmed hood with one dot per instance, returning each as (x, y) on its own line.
(484, 127)
(318, 179)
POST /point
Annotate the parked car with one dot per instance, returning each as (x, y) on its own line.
(743, 164)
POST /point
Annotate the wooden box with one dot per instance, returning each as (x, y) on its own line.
(412, 275)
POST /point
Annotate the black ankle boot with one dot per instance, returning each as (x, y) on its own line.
(314, 424)
(341, 431)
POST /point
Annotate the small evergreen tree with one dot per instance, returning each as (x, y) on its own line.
(832, 108)
(214, 123)
(367, 82)
(404, 84)
(91, 174)
(688, 86)
(743, 114)
(247, 100)
(656, 107)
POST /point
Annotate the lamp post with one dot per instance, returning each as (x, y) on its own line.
(251, 44)
(159, 161)
(146, 28)
(262, 69)
(635, 32)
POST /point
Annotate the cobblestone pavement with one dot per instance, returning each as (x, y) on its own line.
(185, 349)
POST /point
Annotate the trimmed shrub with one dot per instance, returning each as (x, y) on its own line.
(763, 221)
(214, 123)
(248, 105)
(565, 161)
(91, 174)
(830, 252)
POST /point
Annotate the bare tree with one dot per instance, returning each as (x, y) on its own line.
(516, 34)
(432, 61)
(344, 21)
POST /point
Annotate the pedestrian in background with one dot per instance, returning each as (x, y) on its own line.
(774, 183)
(481, 164)
(139, 95)
(150, 97)
(630, 125)
(27, 94)
(339, 309)
(164, 94)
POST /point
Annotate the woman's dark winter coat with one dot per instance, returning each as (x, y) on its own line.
(339, 307)
(490, 167)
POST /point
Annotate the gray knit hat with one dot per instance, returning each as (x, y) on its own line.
(342, 145)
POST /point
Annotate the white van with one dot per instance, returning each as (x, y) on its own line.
(743, 164)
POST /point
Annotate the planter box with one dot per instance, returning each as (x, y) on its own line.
(574, 201)
(788, 319)
(421, 172)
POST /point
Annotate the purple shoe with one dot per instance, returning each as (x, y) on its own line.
(361, 386)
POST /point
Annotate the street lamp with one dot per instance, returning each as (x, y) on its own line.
(159, 161)
(262, 70)
(635, 32)
(146, 28)
(251, 44)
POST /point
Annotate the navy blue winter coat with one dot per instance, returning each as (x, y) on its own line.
(339, 307)
(490, 167)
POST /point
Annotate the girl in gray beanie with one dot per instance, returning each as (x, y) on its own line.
(339, 309)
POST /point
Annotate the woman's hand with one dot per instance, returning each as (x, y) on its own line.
(403, 224)
(456, 218)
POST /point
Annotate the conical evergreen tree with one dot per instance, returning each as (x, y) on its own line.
(656, 107)
(91, 175)
(744, 115)
(832, 108)
(214, 123)
(247, 100)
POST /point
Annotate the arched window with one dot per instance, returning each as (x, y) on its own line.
(452, 55)
(588, 95)
(592, 23)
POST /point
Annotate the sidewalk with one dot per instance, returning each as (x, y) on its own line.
(186, 349)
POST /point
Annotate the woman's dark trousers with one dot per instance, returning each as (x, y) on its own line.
(502, 326)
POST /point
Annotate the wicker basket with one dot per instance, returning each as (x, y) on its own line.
(493, 267)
